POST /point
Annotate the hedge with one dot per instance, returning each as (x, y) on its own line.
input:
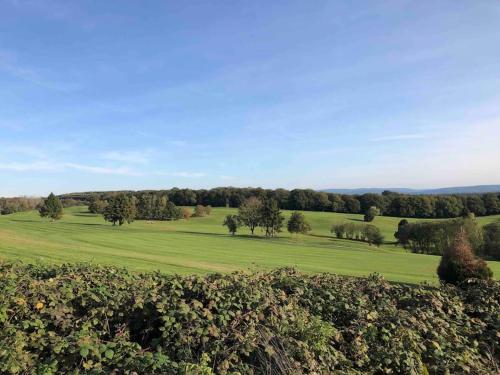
(83, 318)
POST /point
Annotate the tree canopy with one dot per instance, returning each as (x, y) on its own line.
(51, 207)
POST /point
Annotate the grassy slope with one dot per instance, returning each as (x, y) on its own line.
(202, 245)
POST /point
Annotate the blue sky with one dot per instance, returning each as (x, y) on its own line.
(98, 95)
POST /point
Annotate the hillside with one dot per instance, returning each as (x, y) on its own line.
(478, 189)
(202, 245)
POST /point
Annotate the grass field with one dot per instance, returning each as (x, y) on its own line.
(202, 245)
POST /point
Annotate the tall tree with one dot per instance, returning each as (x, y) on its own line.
(121, 209)
(271, 218)
(51, 207)
(298, 223)
(250, 213)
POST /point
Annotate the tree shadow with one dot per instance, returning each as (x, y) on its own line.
(352, 219)
(85, 214)
(227, 235)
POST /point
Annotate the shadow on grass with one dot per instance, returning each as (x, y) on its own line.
(227, 235)
(85, 214)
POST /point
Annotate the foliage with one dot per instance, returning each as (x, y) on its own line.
(91, 319)
(432, 237)
(361, 232)
(96, 205)
(200, 211)
(458, 262)
(389, 203)
(371, 213)
(121, 209)
(174, 246)
(232, 222)
(250, 213)
(491, 246)
(51, 207)
(298, 223)
(152, 206)
(68, 202)
(186, 213)
(18, 204)
(271, 218)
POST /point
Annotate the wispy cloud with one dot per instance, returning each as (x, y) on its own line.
(35, 166)
(139, 157)
(188, 174)
(124, 171)
(400, 137)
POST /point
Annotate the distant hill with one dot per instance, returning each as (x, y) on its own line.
(444, 191)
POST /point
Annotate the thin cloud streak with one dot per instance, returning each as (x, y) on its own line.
(400, 137)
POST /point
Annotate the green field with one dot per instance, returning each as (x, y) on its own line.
(202, 245)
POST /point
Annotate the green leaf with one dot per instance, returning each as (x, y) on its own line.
(109, 354)
(84, 351)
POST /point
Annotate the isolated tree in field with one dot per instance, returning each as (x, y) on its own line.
(271, 218)
(250, 213)
(298, 223)
(51, 207)
(458, 262)
(121, 209)
(371, 213)
(232, 222)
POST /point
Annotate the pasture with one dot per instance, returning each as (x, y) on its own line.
(202, 245)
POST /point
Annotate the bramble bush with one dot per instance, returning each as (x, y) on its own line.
(93, 319)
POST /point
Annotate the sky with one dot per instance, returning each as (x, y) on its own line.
(103, 95)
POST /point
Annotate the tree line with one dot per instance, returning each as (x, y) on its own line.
(388, 203)
(360, 232)
(18, 204)
(433, 237)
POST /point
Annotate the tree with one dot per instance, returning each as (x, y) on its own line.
(402, 235)
(51, 207)
(121, 209)
(200, 210)
(491, 247)
(250, 213)
(298, 223)
(96, 205)
(271, 217)
(372, 235)
(371, 213)
(458, 262)
(232, 222)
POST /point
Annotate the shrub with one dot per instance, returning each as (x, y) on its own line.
(232, 222)
(298, 223)
(200, 211)
(92, 319)
(491, 247)
(371, 213)
(458, 262)
(52, 208)
(362, 232)
(186, 213)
